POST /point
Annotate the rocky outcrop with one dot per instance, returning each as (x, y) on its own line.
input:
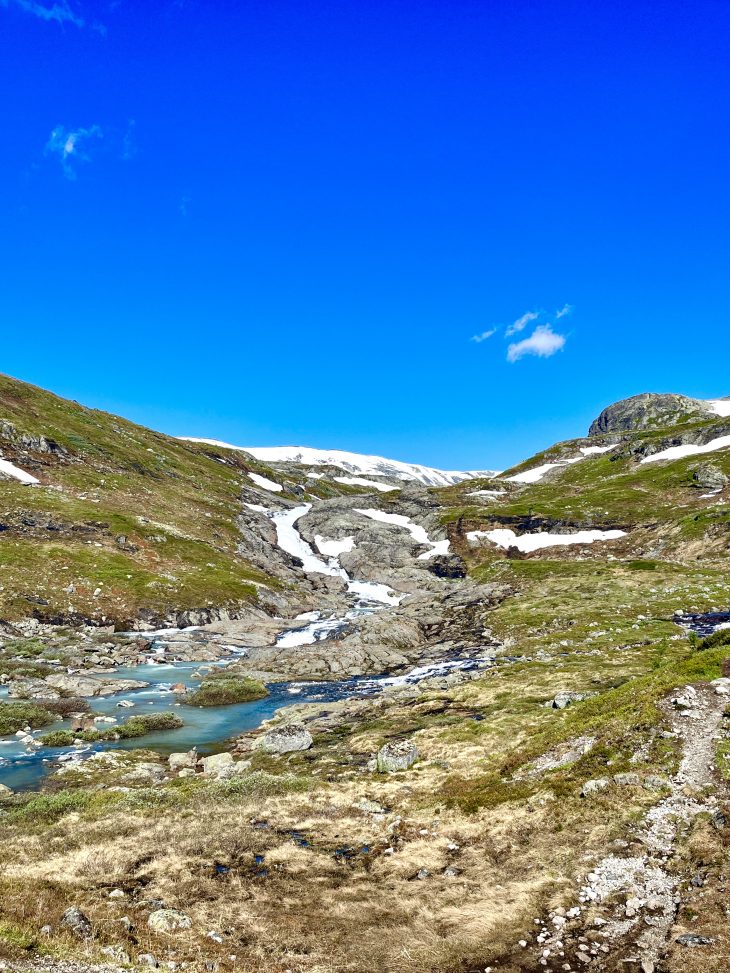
(169, 921)
(710, 477)
(649, 410)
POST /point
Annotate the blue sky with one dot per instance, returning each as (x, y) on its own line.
(286, 222)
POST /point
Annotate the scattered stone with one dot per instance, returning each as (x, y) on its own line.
(116, 953)
(368, 806)
(147, 959)
(627, 780)
(594, 786)
(563, 699)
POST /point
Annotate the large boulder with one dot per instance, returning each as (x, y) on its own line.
(286, 739)
(393, 757)
(75, 922)
(649, 410)
(710, 477)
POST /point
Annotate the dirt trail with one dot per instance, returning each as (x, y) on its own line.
(640, 892)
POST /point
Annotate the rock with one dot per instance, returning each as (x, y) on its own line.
(169, 921)
(368, 806)
(88, 686)
(289, 738)
(627, 780)
(710, 477)
(178, 761)
(422, 873)
(5, 791)
(396, 756)
(594, 786)
(649, 410)
(76, 922)
(565, 698)
(116, 953)
(690, 939)
(147, 959)
(216, 763)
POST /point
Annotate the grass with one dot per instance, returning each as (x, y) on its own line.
(135, 726)
(16, 716)
(224, 690)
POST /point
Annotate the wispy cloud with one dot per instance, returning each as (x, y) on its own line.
(68, 145)
(543, 343)
(521, 323)
(565, 309)
(59, 11)
(484, 335)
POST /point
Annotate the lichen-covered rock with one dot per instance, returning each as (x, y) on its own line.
(393, 757)
(594, 786)
(169, 921)
(216, 764)
(649, 410)
(286, 739)
(179, 761)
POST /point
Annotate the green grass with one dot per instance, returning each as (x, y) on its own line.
(225, 690)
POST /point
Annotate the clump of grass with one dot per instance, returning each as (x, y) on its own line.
(226, 690)
(136, 726)
(16, 716)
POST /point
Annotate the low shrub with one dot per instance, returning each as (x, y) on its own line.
(16, 716)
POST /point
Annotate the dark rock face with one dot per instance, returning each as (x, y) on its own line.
(650, 410)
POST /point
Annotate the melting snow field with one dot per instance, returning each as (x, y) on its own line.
(417, 532)
(527, 543)
(267, 484)
(361, 481)
(16, 473)
(680, 452)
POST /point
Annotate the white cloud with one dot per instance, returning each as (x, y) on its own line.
(60, 10)
(521, 323)
(565, 309)
(543, 342)
(68, 145)
(484, 335)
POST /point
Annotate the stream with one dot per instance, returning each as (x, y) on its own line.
(23, 765)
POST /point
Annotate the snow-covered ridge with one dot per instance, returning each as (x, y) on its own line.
(357, 463)
(721, 407)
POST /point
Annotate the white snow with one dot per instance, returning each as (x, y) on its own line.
(592, 450)
(488, 493)
(291, 541)
(8, 469)
(417, 532)
(721, 407)
(312, 633)
(374, 591)
(356, 463)
(267, 484)
(680, 452)
(315, 476)
(527, 543)
(533, 475)
(333, 548)
(361, 481)
(257, 507)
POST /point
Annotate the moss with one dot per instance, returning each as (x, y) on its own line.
(226, 690)
(16, 716)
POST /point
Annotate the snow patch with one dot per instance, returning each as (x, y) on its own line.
(16, 473)
(257, 507)
(333, 548)
(361, 481)
(267, 484)
(505, 538)
(680, 452)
